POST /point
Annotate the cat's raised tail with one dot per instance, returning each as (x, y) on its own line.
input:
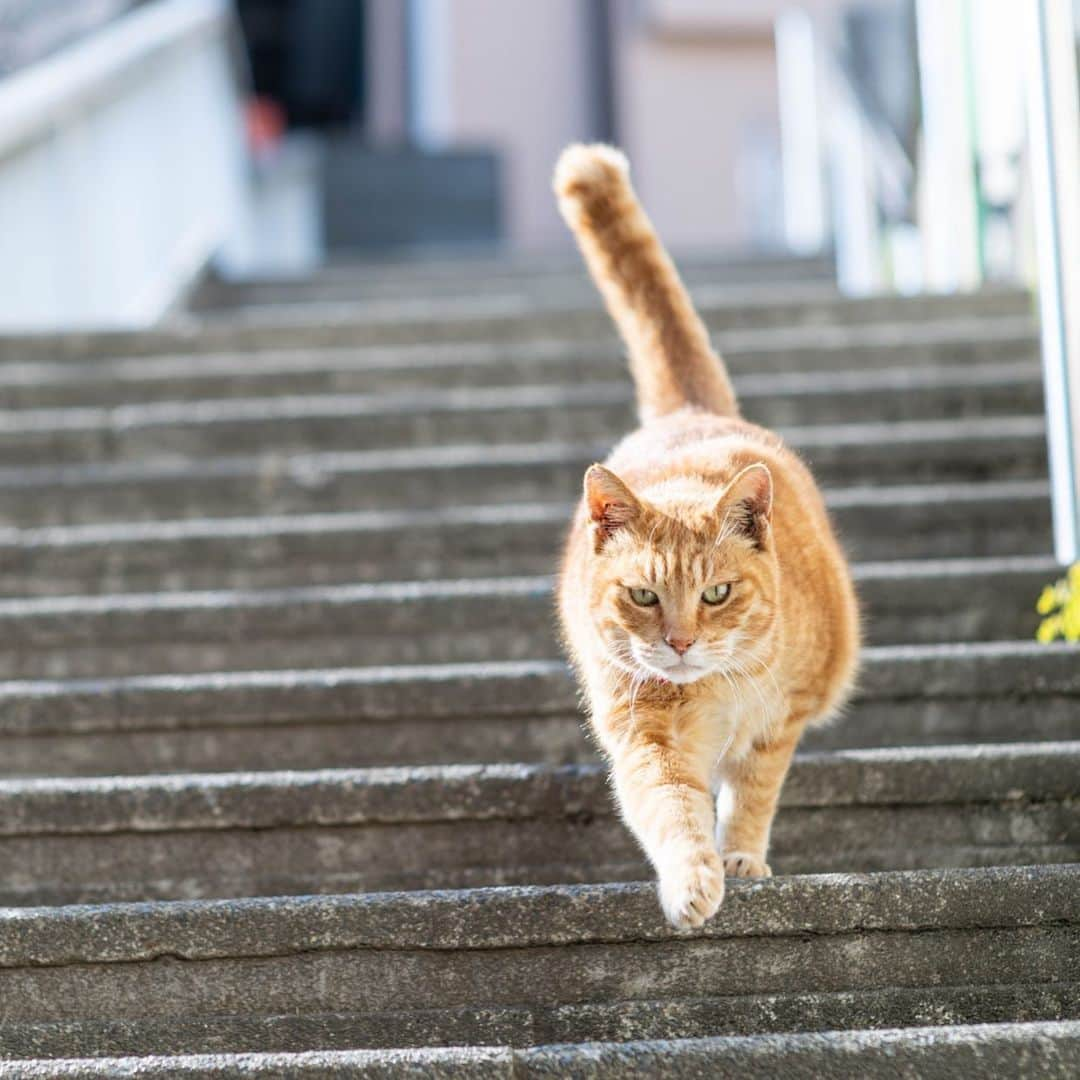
(671, 359)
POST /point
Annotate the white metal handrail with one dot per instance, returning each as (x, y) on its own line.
(122, 168)
(1054, 134)
(36, 101)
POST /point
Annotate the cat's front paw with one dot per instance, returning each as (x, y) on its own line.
(746, 864)
(692, 891)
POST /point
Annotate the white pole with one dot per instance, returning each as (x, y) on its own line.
(1054, 133)
(854, 196)
(948, 219)
(802, 157)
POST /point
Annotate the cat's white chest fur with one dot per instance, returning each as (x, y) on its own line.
(721, 721)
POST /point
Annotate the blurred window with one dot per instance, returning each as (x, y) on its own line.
(305, 55)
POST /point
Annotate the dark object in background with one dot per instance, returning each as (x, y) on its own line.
(306, 60)
(305, 54)
(409, 199)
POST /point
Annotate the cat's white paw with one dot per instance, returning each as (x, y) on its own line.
(692, 891)
(746, 864)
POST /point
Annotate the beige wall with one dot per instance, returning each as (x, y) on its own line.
(521, 82)
(695, 105)
(515, 79)
(697, 114)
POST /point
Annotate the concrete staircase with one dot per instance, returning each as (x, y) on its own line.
(293, 780)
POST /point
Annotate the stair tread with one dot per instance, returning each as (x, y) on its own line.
(1050, 1047)
(513, 917)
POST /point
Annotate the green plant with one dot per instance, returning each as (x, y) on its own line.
(1059, 605)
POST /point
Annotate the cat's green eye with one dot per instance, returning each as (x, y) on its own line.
(716, 594)
(644, 597)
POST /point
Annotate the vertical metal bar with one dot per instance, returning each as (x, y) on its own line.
(802, 154)
(859, 270)
(1054, 133)
(947, 212)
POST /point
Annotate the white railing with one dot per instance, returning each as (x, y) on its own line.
(1054, 135)
(974, 163)
(121, 169)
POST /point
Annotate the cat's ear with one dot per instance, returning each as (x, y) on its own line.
(746, 505)
(612, 505)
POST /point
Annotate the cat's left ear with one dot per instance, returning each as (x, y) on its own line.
(746, 505)
(612, 505)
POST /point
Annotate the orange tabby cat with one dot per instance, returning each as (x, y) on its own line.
(707, 606)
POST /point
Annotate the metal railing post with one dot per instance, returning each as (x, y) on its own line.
(1054, 134)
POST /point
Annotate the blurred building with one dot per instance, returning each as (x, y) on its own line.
(458, 109)
(143, 140)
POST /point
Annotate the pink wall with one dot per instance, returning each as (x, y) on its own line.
(697, 114)
(695, 105)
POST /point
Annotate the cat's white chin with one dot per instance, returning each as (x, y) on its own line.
(681, 673)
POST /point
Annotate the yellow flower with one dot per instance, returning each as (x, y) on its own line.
(1059, 604)
(1047, 600)
(1070, 621)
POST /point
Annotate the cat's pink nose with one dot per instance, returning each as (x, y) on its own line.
(679, 644)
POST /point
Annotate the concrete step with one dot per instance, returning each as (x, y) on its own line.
(453, 475)
(599, 411)
(1048, 1049)
(438, 622)
(536, 966)
(412, 321)
(516, 315)
(189, 836)
(941, 521)
(903, 357)
(562, 277)
(492, 712)
(568, 291)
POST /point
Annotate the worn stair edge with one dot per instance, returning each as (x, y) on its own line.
(1013, 671)
(470, 275)
(385, 617)
(518, 917)
(444, 1063)
(754, 304)
(597, 408)
(458, 266)
(452, 268)
(518, 315)
(864, 346)
(38, 496)
(876, 437)
(908, 776)
(539, 1025)
(979, 382)
(314, 469)
(890, 522)
(858, 352)
(319, 325)
(609, 986)
(1049, 1049)
(408, 418)
(459, 826)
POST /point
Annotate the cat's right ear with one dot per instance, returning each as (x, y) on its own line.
(612, 505)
